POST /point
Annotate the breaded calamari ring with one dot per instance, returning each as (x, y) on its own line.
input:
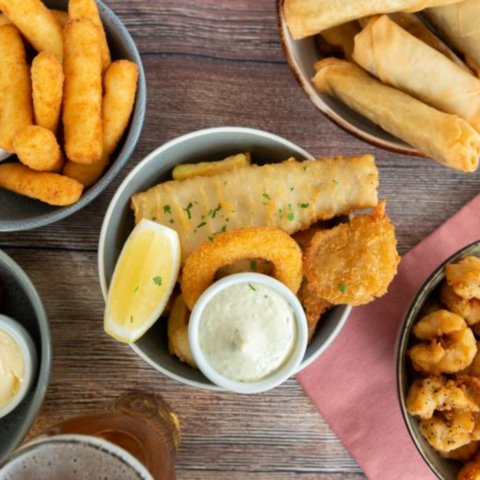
(225, 248)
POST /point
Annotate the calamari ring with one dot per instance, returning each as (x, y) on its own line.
(225, 248)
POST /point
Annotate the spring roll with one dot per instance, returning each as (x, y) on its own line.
(309, 17)
(47, 90)
(120, 83)
(460, 25)
(444, 137)
(89, 9)
(47, 187)
(416, 27)
(82, 101)
(15, 87)
(37, 148)
(340, 39)
(37, 23)
(399, 59)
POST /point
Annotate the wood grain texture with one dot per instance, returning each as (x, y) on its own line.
(210, 63)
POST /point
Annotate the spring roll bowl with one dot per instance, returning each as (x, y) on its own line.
(22, 213)
(443, 468)
(301, 55)
(204, 145)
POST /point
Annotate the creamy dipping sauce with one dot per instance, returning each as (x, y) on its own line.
(12, 367)
(247, 332)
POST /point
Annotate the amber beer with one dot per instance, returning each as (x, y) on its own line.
(135, 438)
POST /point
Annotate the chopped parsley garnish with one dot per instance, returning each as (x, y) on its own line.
(131, 319)
(154, 218)
(200, 225)
(136, 289)
(304, 205)
(291, 189)
(342, 287)
(189, 206)
(252, 287)
(304, 169)
(253, 265)
(291, 215)
(266, 195)
(336, 182)
(157, 280)
(172, 221)
(210, 238)
(167, 209)
(213, 212)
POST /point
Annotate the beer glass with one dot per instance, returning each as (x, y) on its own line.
(136, 437)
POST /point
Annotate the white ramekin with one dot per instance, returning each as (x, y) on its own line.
(277, 377)
(24, 341)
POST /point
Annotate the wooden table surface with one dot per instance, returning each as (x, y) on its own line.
(212, 63)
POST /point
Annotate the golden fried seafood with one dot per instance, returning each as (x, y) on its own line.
(448, 343)
(463, 453)
(290, 196)
(474, 368)
(468, 309)
(354, 262)
(449, 430)
(437, 393)
(464, 277)
(225, 248)
(177, 332)
(255, 265)
(313, 305)
(471, 471)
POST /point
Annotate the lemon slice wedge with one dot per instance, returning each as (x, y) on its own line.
(142, 282)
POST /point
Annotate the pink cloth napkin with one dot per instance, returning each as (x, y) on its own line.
(353, 385)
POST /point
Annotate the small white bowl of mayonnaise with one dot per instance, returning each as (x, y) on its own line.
(18, 363)
(248, 333)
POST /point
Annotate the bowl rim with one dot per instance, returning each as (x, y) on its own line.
(116, 166)
(45, 363)
(414, 308)
(315, 98)
(25, 344)
(282, 373)
(113, 205)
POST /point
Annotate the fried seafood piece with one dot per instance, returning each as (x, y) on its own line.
(474, 368)
(468, 309)
(353, 262)
(272, 244)
(449, 430)
(289, 196)
(464, 277)
(471, 471)
(437, 393)
(463, 453)
(177, 332)
(448, 343)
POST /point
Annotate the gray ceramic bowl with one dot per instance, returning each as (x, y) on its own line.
(444, 469)
(20, 301)
(211, 144)
(22, 213)
(301, 55)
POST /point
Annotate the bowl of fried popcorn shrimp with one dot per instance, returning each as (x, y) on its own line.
(72, 107)
(438, 367)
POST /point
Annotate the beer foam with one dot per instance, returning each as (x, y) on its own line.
(73, 457)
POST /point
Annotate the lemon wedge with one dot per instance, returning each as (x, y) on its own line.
(142, 282)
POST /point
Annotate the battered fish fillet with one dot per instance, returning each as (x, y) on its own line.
(290, 196)
(354, 262)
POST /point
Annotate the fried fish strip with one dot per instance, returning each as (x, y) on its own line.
(290, 196)
(353, 262)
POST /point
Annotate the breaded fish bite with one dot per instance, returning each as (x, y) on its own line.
(82, 103)
(354, 262)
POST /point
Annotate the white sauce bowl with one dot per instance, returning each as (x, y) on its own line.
(278, 376)
(25, 343)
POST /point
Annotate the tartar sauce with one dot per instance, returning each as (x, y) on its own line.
(247, 332)
(12, 367)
